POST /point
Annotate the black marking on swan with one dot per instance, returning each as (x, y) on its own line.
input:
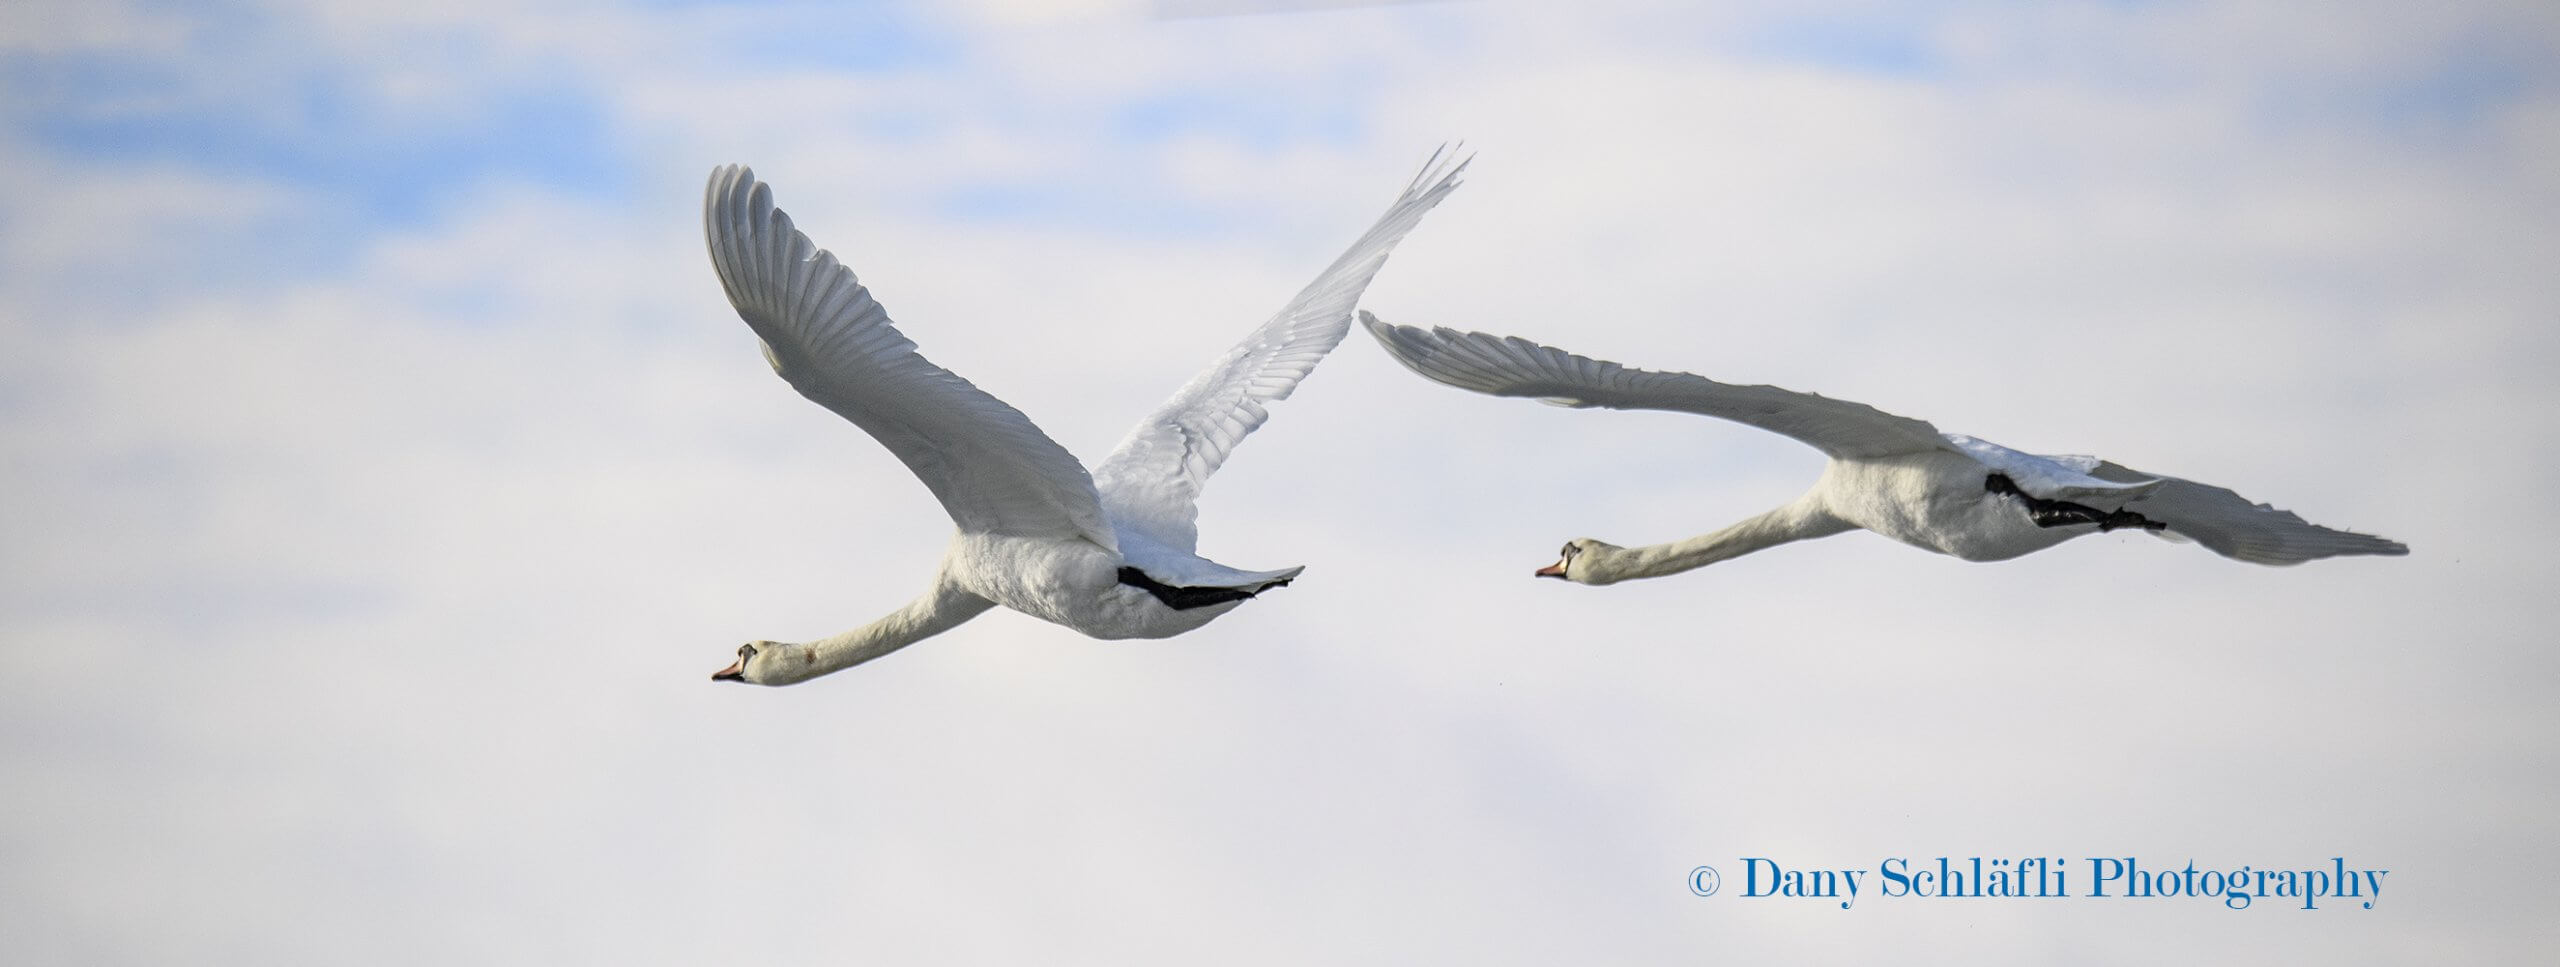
(1185, 599)
(2063, 513)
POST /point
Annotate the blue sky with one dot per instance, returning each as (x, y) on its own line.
(384, 473)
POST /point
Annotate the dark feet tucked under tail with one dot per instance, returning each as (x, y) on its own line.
(2063, 513)
(1185, 599)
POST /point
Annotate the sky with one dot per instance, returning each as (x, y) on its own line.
(382, 474)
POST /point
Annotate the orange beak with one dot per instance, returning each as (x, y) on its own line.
(736, 672)
(1555, 570)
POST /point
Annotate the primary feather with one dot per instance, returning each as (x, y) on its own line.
(993, 470)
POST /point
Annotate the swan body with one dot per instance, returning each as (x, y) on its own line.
(1109, 553)
(1899, 477)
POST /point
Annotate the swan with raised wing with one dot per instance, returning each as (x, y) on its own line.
(1893, 475)
(1109, 553)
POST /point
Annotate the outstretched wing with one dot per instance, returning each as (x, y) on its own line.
(1511, 366)
(993, 470)
(2234, 527)
(1152, 483)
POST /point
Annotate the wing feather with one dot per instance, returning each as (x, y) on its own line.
(993, 470)
(1511, 366)
(1152, 481)
(2236, 527)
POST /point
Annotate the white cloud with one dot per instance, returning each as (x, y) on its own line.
(362, 611)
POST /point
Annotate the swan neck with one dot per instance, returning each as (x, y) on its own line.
(1805, 518)
(939, 610)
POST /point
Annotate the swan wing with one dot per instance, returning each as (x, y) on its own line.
(2067, 477)
(1152, 482)
(993, 470)
(1511, 366)
(2235, 527)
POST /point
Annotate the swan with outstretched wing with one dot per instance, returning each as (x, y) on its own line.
(1109, 554)
(1893, 475)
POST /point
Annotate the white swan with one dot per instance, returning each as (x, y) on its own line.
(1109, 554)
(1893, 475)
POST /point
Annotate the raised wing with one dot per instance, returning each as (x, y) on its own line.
(1511, 366)
(2234, 527)
(1151, 483)
(993, 470)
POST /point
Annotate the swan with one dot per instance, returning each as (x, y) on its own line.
(1109, 553)
(1896, 476)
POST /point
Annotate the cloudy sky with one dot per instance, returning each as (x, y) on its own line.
(382, 473)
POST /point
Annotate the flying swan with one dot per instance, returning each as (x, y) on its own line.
(1893, 475)
(1108, 554)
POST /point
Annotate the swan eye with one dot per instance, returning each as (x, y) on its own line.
(746, 652)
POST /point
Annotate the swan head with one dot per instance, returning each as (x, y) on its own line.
(1586, 561)
(764, 663)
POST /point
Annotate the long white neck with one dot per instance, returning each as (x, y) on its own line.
(1805, 518)
(939, 610)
